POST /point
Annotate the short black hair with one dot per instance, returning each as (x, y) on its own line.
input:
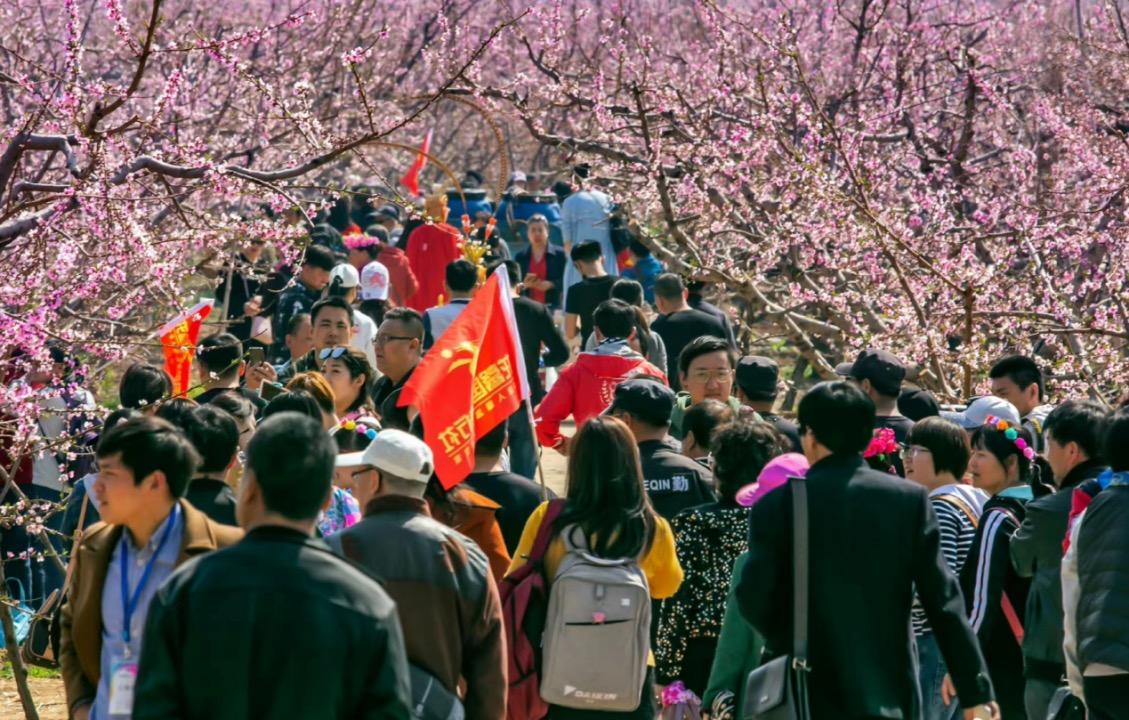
(292, 457)
(637, 248)
(331, 302)
(234, 403)
(320, 256)
(704, 345)
(409, 318)
(300, 401)
(296, 321)
(741, 449)
(1080, 421)
(220, 354)
(669, 286)
(1022, 371)
(705, 417)
(586, 251)
(614, 319)
(839, 414)
(946, 442)
(491, 443)
(628, 290)
(149, 444)
(380, 233)
(143, 385)
(1115, 441)
(461, 275)
(215, 436)
(176, 410)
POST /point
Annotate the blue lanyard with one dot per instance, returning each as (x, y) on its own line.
(129, 604)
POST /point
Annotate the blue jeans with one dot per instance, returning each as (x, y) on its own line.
(523, 446)
(37, 577)
(931, 673)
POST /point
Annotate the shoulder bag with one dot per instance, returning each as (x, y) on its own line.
(778, 690)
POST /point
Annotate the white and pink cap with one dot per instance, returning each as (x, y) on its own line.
(374, 282)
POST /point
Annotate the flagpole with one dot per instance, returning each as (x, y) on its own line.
(537, 448)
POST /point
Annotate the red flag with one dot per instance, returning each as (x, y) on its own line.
(411, 177)
(178, 337)
(472, 379)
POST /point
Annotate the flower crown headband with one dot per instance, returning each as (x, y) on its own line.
(1011, 433)
(356, 242)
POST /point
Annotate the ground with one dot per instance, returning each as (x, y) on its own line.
(47, 689)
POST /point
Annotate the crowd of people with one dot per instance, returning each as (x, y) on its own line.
(275, 543)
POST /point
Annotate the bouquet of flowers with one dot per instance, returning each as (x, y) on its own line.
(680, 703)
(882, 451)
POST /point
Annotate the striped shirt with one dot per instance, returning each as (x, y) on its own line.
(957, 533)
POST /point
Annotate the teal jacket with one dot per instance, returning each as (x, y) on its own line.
(738, 649)
(682, 404)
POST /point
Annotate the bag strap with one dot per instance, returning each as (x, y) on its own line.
(1012, 617)
(77, 539)
(800, 572)
(545, 532)
(961, 505)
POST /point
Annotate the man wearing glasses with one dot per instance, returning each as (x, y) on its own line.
(399, 347)
(706, 369)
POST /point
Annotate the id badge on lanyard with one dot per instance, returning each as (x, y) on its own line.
(123, 671)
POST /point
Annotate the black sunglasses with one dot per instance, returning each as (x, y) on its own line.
(332, 353)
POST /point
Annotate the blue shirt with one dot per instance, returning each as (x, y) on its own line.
(113, 615)
(646, 270)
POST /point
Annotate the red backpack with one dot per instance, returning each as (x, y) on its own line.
(525, 600)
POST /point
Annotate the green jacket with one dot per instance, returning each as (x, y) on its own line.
(682, 404)
(738, 649)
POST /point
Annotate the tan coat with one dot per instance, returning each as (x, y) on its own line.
(80, 651)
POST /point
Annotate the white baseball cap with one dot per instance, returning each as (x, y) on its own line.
(374, 281)
(347, 274)
(982, 408)
(396, 453)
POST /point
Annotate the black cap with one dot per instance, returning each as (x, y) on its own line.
(389, 211)
(649, 400)
(757, 376)
(882, 369)
(918, 404)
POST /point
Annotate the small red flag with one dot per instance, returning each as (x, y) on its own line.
(411, 177)
(178, 338)
(471, 380)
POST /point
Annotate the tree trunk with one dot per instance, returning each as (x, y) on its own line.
(19, 672)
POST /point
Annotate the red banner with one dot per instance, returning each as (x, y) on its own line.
(178, 338)
(472, 379)
(411, 177)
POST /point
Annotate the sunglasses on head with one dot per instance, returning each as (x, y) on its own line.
(332, 353)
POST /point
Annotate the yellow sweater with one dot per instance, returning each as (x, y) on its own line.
(660, 564)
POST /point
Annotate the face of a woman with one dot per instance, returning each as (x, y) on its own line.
(919, 466)
(345, 387)
(987, 472)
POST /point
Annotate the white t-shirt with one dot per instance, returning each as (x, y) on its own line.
(364, 333)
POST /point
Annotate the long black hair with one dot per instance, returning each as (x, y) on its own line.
(606, 498)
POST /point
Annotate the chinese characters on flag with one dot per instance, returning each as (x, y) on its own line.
(178, 339)
(471, 380)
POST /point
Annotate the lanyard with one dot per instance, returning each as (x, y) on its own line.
(129, 604)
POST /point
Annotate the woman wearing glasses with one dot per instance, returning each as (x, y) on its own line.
(349, 374)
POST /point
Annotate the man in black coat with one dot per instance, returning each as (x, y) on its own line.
(873, 538)
(542, 265)
(1072, 438)
(276, 626)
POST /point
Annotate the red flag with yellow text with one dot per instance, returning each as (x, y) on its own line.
(178, 339)
(471, 380)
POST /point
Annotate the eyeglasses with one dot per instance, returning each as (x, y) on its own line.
(915, 450)
(705, 376)
(332, 353)
(356, 473)
(382, 339)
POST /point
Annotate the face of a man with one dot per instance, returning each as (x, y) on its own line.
(301, 341)
(709, 377)
(332, 328)
(314, 278)
(254, 249)
(1024, 399)
(397, 351)
(119, 498)
(1062, 458)
(538, 236)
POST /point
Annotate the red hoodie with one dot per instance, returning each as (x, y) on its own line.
(430, 250)
(585, 389)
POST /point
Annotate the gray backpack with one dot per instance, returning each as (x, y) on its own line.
(597, 631)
